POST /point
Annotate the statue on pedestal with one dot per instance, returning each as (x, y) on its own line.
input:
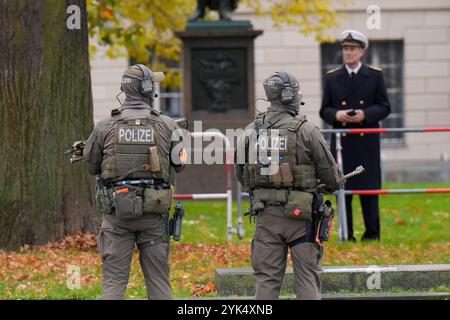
(223, 6)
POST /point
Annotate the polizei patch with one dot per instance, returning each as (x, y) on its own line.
(272, 143)
(136, 135)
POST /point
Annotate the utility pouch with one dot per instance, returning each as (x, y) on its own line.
(283, 177)
(299, 205)
(153, 159)
(271, 196)
(264, 197)
(287, 179)
(129, 201)
(157, 201)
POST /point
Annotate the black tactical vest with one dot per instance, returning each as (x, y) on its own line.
(291, 174)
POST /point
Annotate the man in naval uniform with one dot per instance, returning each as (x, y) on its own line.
(355, 97)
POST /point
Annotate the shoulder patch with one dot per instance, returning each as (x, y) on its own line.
(333, 70)
(375, 68)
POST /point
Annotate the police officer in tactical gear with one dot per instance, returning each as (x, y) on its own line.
(131, 153)
(283, 200)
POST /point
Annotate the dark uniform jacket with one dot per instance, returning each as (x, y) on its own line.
(367, 92)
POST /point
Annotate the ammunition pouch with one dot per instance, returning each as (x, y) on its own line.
(157, 201)
(133, 201)
(301, 176)
(260, 198)
(129, 202)
(270, 196)
(297, 204)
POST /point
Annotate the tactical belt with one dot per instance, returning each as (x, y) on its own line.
(272, 196)
(144, 182)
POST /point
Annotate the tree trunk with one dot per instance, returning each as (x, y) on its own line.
(45, 104)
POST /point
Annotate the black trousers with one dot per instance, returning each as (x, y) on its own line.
(371, 215)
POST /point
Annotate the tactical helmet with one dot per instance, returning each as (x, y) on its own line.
(283, 87)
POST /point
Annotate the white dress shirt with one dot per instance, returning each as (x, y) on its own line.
(353, 70)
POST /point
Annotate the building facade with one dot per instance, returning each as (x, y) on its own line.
(412, 46)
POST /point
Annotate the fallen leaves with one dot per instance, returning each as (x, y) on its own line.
(40, 271)
(201, 290)
(34, 267)
(79, 241)
(193, 265)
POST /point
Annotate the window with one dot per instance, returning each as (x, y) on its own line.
(387, 55)
(171, 102)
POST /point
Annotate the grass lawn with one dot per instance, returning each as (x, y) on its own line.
(415, 230)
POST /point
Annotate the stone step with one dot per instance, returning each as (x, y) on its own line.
(363, 296)
(390, 296)
(241, 282)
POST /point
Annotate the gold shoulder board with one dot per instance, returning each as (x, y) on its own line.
(375, 68)
(333, 70)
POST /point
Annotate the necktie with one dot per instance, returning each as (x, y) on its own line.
(352, 80)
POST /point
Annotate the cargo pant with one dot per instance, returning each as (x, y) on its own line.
(116, 242)
(273, 236)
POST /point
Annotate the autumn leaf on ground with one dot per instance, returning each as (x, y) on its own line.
(202, 289)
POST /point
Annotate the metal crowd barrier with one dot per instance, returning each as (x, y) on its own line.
(340, 198)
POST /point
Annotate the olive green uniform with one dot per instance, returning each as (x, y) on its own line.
(117, 237)
(276, 231)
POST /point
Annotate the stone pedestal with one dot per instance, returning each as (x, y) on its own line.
(218, 88)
